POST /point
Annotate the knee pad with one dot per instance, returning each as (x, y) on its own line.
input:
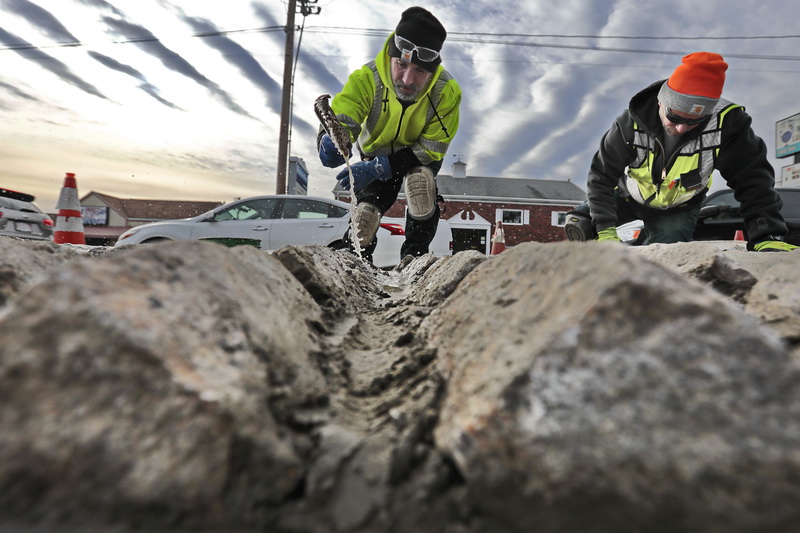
(365, 222)
(579, 227)
(420, 193)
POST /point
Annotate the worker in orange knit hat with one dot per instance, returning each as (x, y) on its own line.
(656, 161)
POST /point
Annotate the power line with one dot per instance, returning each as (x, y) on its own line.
(629, 50)
(465, 37)
(641, 37)
(383, 31)
(494, 38)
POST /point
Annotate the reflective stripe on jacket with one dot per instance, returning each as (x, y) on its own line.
(685, 175)
(369, 108)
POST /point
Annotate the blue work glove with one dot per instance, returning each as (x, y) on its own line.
(773, 246)
(329, 156)
(365, 172)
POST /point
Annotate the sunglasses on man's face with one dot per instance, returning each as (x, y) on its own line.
(675, 119)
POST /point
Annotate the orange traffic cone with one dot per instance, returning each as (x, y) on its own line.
(739, 235)
(69, 226)
(498, 239)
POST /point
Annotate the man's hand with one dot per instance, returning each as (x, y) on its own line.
(329, 155)
(608, 235)
(774, 246)
(365, 172)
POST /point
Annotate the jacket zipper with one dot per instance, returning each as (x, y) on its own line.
(399, 126)
(667, 162)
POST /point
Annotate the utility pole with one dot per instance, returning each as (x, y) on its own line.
(288, 87)
(283, 142)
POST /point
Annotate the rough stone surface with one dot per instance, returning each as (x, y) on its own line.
(38, 257)
(775, 299)
(141, 386)
(567, 387)
(613, 391)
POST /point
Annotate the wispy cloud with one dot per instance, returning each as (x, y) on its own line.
(42, 19)
(144, 85)
(45, 21)
(16, 91)
(102, 4)
(240, 57)
(46, 61)
(149, 43)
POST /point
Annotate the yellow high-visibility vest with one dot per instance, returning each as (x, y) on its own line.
(690, 171)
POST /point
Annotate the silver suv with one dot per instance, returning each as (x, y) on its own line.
(20, 217)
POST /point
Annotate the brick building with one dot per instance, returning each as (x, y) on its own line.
(530, 209)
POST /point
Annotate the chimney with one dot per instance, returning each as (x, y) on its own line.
(459, 169)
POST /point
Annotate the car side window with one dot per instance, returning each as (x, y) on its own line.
(302, 208)
(266, 207)
(236, 212)
(249, 210)
(335, 211)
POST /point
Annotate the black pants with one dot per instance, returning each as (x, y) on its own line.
(419, 233)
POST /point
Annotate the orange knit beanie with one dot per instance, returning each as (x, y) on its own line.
(696, 85)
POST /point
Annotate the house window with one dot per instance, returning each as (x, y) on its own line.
(513, 217)
(558, 218)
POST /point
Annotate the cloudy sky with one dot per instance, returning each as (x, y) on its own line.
(181, 99)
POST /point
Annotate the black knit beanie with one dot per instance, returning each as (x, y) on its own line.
(419, 26)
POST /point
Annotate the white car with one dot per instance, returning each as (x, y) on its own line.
(272, 222)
